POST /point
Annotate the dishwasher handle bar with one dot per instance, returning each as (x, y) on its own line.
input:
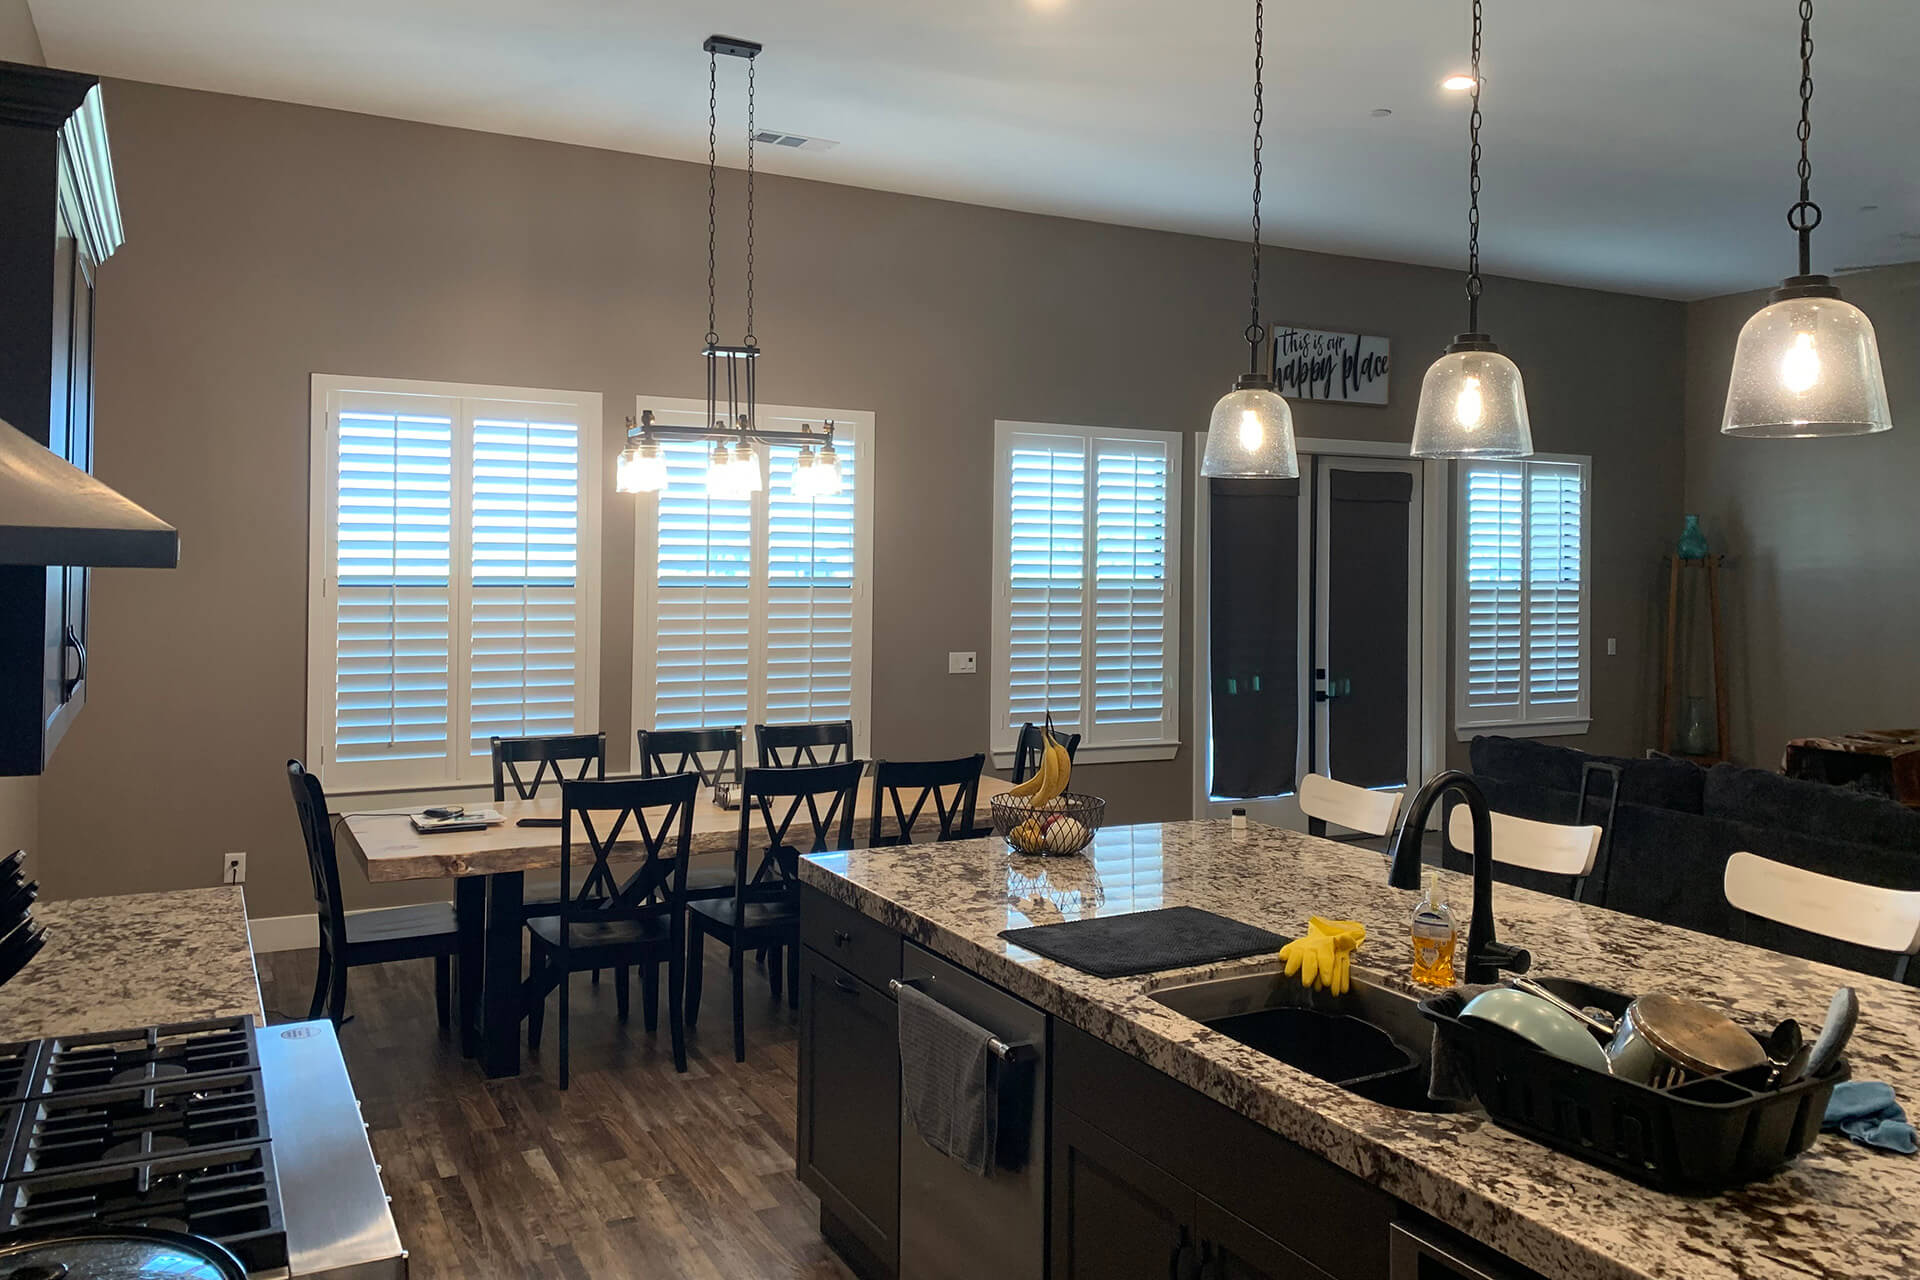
(1019, 1051)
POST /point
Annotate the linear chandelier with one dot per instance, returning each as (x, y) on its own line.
(733, 466)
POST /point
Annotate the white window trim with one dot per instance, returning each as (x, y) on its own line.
(1471, 723)
(857, 423)
(322, 532)
(1001, 738)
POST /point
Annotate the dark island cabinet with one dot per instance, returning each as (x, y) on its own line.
(59, 220)
(1116, 1214)
(848, 1132)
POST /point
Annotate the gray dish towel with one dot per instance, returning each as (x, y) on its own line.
(1452, 1078)
(946, 1080)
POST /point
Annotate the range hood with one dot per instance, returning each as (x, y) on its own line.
(51, 512)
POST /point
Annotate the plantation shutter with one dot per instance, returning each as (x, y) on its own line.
(810, 594)
(393, 570)
(1046, 485)
(1523, 599)
(703, 603)
(1130, 590)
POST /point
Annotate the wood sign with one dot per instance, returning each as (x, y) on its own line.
(1313, 364)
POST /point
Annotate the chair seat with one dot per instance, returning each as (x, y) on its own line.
(760, 916)
(596, 935)
(401, 933)
(709, 882)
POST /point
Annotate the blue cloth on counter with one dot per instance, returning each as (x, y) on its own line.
(1865, 1110)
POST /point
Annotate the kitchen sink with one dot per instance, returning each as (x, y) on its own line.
(1371, 1041)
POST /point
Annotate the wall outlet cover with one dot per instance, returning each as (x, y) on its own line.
(233, 869)
(962, 664)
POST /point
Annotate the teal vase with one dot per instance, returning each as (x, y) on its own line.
(1693, 542)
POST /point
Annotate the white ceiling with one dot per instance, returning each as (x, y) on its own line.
(1643, 145)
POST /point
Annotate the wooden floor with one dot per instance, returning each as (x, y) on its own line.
(634, 1171)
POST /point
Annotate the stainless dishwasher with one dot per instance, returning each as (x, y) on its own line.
(955, 1223)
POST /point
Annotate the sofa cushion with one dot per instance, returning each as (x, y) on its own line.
(1526, 761)
(1665, 866)
(1662, 783)
(1768, 801)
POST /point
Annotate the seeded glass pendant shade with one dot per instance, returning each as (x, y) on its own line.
(1251, 434)
(1806, 363)
(1473, 404)
(641, 468)
(1807, 366)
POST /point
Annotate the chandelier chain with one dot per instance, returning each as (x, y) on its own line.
(750, 141)
(713, 165)
(1474, 285)
(1254, 331)
(1804, 215)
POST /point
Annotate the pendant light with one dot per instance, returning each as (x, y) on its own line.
(1251, 432)
(1472, 401)
(641, 468)
(1806, 364)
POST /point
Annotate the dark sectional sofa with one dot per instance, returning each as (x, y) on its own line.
(1675, 824)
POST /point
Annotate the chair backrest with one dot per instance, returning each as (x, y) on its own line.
(906, 786)
(548, 753)
(1863, 914)
(1349, 806)
(1026, 749)
(665, 751)
(310, 802)
(787, 746)
(1537, 846)
(773, 798)
(654, 813)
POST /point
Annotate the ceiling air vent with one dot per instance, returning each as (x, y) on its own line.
(793, 141)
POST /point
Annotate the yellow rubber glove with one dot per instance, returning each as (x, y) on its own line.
(1322, 956)
(1346, 937)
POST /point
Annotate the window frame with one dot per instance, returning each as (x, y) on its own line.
(856, 424)
(1001, 737)
(456, 769)
(1471, 722)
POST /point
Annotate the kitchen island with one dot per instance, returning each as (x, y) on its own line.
(134, 960)
(1839, 1209)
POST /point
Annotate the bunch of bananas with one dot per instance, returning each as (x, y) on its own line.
(1050, 779)
(1047, 833)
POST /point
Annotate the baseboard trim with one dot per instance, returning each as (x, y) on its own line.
(294, 933)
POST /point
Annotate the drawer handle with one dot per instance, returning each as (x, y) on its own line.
(847, 985)
(841, 937)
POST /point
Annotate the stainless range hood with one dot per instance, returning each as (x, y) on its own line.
(51, 512)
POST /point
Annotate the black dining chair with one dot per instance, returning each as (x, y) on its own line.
(1026, 749)
(549, 755)
(765, 907)
(787, 746)
(641, 925)
(420, 932)
(714, 755)
(902, 790)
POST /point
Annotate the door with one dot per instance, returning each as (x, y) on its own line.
(1317, 647)
(848, 1141)
(1235, 1250)
(1116, 1215)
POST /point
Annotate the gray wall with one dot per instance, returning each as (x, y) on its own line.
(1822, 538)
(267, 241)
(19, 40)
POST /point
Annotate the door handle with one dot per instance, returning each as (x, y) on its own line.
(847, 985)
(1184, 1264)
(68, 683)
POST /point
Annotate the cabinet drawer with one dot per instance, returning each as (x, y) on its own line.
(867, 948)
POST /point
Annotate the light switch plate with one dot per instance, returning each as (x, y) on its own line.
(961, 664)
(1613, 647)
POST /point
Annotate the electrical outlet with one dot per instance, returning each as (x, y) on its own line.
(233, 869)
(961, 664)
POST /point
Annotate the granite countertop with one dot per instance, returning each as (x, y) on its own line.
(1838, 1210)
(134, 960)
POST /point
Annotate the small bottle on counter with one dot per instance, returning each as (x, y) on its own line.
(1434, 935)
(1237, 822)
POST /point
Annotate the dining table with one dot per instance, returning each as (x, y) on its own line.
(489, 866)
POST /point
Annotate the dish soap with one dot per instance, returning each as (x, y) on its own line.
(1434, 935)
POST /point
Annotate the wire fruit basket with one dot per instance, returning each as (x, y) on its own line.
(1054, 828)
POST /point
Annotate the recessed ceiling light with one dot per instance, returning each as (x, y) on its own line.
(1459, 84)
(1381, 113)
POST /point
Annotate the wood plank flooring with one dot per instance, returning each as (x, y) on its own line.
(633, 1172)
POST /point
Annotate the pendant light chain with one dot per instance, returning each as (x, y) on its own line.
(1474, 285)
(1805, 215)
(1254, 332)
(750, 142)
(713, 166)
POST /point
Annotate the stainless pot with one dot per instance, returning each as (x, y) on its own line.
(1665, 1040)
(116, 1253)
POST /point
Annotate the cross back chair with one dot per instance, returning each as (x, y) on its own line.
(908, 786)
(642, 924)
(665, 751)
(1325, 800)
(1026, 749)
(764, 909)
(790, 746)
(548, 755)
(403, 933)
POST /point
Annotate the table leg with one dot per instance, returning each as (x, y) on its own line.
(500, 1001)
(470, 915)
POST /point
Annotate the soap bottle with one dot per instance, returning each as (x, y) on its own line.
(1434, 935)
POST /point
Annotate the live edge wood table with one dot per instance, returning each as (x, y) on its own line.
(489, 869)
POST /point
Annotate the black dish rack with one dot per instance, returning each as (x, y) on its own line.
(1704, 1136)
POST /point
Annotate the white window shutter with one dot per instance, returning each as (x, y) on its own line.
(1046, 493)
(703, 604)
(1554, 588)
(810, 594)
(1130, 616)
(1495, 515)
(392, 615)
